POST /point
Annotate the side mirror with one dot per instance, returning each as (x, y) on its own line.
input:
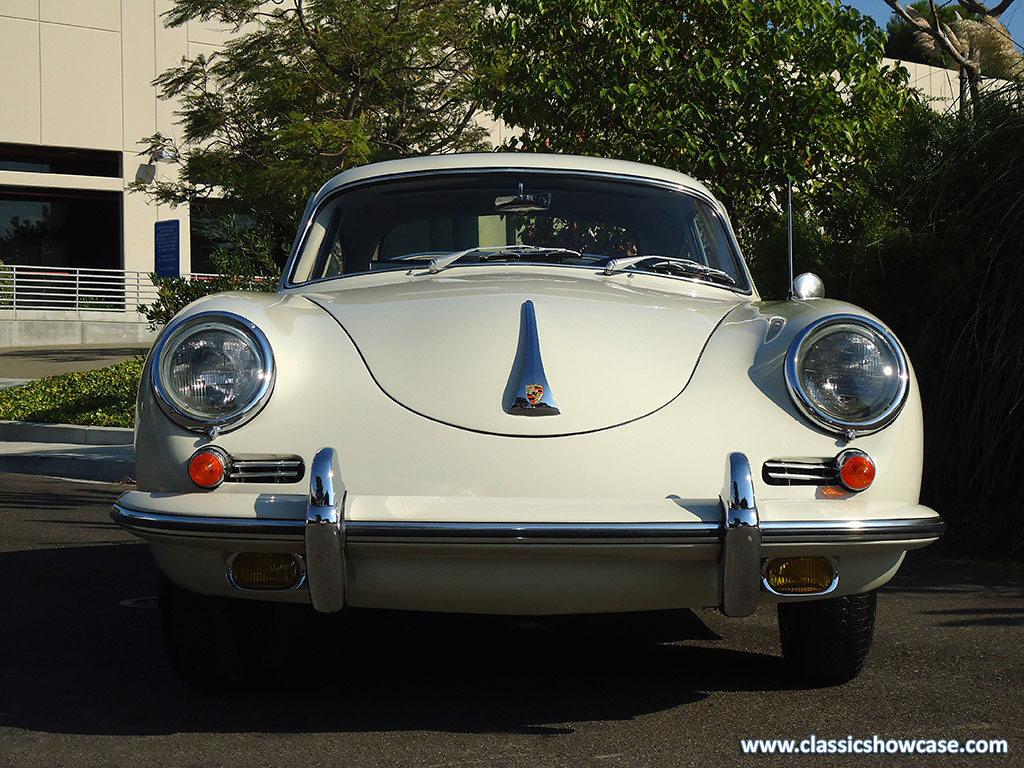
(808, 286)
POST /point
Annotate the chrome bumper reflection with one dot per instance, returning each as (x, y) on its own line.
(325, 533)
(740, 560)
(373, 532)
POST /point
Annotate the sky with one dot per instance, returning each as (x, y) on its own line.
(879, 11)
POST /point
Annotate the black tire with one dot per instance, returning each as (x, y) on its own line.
(212, 642)
(827, 641)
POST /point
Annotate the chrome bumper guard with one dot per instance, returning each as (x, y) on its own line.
(325, 533)
(740, 561)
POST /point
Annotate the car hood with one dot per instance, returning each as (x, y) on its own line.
(451, 347)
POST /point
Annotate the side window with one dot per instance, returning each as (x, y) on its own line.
(334, 264)
(705, 244)
(712, 234)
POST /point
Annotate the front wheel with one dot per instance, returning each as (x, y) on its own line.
(827, 641)
(212, 642)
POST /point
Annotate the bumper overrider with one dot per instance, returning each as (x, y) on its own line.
(740, 535)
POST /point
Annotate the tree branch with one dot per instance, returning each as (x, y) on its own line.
(976, 7)
(313, 44)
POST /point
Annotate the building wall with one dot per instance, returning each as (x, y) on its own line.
(940, 86)
(78, 74)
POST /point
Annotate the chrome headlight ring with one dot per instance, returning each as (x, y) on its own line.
(818, 330)
(180, 331)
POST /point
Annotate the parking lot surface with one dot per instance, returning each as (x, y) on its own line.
(85, 682)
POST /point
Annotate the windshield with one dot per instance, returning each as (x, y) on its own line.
(522, 217)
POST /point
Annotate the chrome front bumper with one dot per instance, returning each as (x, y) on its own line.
(325, 534)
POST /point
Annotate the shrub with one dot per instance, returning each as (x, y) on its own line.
(931, 242)
(104, 397)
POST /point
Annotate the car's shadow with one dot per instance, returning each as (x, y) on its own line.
(77, 661)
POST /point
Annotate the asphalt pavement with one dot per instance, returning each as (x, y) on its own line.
(20, 365)
(85, 681)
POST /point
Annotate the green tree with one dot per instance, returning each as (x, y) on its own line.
(740, 93)
(308, 88)
(901, 40)
(974, 41)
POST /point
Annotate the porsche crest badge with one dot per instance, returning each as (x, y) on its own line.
(534, 393)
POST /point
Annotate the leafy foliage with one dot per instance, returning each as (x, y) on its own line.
(739, 93)
(901, 42)
(103, 397)
(308, 88)
(931, 242)
(964, 214)
(974, 41)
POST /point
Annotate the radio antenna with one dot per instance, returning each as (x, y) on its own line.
(789, 223)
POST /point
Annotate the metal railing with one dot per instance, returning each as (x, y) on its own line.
(76, 289)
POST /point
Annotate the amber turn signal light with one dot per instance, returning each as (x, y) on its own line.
(856, 471)
(207, 468)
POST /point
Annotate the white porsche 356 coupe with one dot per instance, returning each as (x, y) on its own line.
(528, 385)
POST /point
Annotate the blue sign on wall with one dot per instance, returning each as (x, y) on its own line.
(166, 240)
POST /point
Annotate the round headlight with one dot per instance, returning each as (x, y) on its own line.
(847, 373)
(213, 370)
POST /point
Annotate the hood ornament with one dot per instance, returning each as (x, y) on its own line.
(528, 392)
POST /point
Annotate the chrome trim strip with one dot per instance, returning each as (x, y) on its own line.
(174, 330)
(819, 417)
(359, 531)
(325, 533)
(531, 371)
(363, 531)
(195, 525)
(278, 471)
(831, 587)
(851, 531)
(784, 472)
(740, 559)
(295, 556)
(282, 464)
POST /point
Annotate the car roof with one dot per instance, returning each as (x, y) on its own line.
(513, 161)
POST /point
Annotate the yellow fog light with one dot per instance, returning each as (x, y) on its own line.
(265, 571)
(800, 575)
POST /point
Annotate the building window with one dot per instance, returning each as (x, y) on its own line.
(60, 228)
(77, 162)
(206, 232)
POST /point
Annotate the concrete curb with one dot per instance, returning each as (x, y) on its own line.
(67, 450)
(99, 468)
(33, 432)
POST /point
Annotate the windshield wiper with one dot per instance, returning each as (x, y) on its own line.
(490, 252)
(682, 266)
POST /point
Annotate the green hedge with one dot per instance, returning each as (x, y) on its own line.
(104, 397)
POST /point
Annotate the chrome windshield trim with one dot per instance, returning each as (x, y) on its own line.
(195, 525)
(315, 205)
(849, 531)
